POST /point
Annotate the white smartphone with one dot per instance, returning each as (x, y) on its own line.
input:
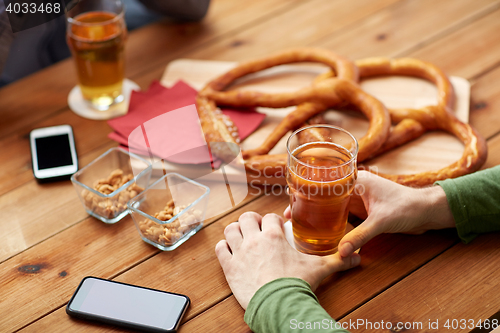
(126, 305)
(53, 153)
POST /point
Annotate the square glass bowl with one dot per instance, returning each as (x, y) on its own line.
(107, 184)
(170, 211)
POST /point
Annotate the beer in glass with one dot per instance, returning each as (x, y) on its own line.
(321, 174)
(96, 34)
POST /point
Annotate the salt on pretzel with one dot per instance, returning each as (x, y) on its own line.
(412, 123)
(310, 101)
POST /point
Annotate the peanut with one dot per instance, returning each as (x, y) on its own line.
(111, 207)
(173, 231)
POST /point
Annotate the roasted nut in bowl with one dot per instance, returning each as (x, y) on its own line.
(169, 211)
(107, 184)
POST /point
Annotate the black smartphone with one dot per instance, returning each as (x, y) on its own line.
(126, 305)
(53, 153)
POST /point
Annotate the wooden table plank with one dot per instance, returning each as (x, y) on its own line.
(485, 103)
(226, 316)
(37, 211)
(462, 283)
(192, 269)
(493, 152)
(469, 51)
(312, 21)
(146, 47)
(43, 278)
(16, 157)
(405, 26)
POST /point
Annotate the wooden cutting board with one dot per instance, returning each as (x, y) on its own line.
(431, 151)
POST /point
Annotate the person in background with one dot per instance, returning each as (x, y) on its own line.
(6, 36)
(28, 51)
(275, 284)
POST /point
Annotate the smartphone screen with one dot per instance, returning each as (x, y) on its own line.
(127, 305)
(53, 151)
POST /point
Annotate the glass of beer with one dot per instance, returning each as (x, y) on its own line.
(321, 174)
(96, 34)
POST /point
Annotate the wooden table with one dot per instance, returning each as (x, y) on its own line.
(48, 242)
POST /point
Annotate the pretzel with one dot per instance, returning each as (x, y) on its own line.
(328, 91)
(412, 123)
(310, 101)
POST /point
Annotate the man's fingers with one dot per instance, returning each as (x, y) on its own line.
(249, 223)
(358, 237)
(272, 222)
(223, 252)
(233, 236)
(357, 206)
(336, 263)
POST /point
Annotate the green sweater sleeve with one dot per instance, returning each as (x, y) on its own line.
(474, 202)
(288, 305)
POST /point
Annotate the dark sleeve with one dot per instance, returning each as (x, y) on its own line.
(189, 10)
(288, 305)
(6, 36)
(475, 202)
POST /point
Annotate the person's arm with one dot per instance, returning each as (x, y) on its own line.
(6, 36)
(270, 279)
(474, 201)
(470, 203)
(189, 10)
(288, 304)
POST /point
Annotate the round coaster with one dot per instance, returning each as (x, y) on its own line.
(81, 107)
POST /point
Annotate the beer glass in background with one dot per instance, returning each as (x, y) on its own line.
(321, 174)
(96, 34)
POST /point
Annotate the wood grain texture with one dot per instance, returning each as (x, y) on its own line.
(38, 211)
(226, 316)
(467, 52)
(405, 26)
(485, 103)
(192, 269)
(494, 152)
(308, 22)
(16, 157)
(461, 283)
(43, 278)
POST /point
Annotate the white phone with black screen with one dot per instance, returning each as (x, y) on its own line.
(53, 153)
(126, 305)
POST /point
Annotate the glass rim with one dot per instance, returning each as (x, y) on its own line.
(353, 157)
(118, 16)
(143, 172)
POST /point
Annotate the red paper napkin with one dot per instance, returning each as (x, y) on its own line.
(164, 122)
